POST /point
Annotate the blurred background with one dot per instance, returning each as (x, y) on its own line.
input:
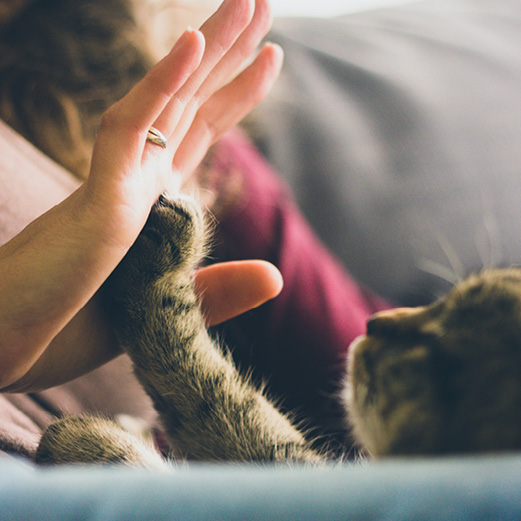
(176, 16)
(325, 8)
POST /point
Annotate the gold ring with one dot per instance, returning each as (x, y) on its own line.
(156, 137)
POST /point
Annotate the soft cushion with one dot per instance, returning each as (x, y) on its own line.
(399, 131)
(466, 489)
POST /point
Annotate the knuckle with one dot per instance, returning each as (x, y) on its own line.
(110, 119)
(161, 87)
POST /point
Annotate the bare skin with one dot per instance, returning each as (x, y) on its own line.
(52, 328)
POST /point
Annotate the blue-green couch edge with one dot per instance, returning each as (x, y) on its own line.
(469, 487)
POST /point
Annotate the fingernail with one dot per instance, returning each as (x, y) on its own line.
(275, 46)
(183, 39)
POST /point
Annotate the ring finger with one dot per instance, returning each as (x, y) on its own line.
(232, 34)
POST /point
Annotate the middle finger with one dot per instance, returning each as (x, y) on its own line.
(242, 49)
(220, 31)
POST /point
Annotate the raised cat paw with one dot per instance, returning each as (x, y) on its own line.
(174, 236)
(172, 242)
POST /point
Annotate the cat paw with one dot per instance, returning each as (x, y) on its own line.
(174, 235)
(172, 242)
(93, 440)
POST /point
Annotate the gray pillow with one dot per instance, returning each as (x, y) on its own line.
(399, 131)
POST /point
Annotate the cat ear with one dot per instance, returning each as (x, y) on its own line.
(404, 319)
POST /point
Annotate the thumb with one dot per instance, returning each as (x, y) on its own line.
(231, 288)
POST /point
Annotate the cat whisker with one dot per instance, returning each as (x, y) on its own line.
(456, 264)
(487, 245)
(454, 272)
(438, 270)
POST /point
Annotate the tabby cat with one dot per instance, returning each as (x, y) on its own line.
(444, 378)
(438, 379)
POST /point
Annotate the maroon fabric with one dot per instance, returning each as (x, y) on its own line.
(299, 340)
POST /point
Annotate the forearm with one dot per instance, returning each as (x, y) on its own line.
(84, 344)
(48, 273)
(54, 329)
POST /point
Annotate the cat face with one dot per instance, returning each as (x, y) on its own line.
(443, 378)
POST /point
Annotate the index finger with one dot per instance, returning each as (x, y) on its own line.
(154, 91)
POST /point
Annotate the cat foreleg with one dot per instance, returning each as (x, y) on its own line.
(208, 410)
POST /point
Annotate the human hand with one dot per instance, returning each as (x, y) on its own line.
(227, 289)
(52, 329)
(184, 98)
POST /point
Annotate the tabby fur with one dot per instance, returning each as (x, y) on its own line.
(445, 378)
(208, 410)
(440, 379)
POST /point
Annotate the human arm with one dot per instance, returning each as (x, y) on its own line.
(51, 271)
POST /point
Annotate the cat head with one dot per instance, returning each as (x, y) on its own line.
(443, 378)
